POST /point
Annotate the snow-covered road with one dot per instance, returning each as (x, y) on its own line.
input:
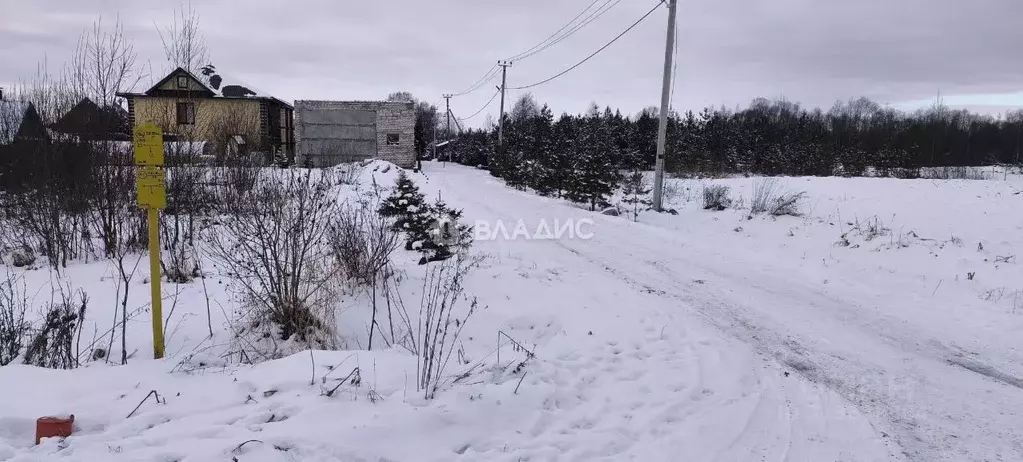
(698, 337)
(834, 331)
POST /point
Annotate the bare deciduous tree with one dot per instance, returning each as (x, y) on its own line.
(103, 64)
(183, 42)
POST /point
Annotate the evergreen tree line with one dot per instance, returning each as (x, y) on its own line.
(579, 156)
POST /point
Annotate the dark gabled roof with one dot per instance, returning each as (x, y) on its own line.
(12, 113)
(174, 73)
(215, 84)
(90, 120)
(19, 120)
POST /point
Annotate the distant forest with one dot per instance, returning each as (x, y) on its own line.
(767, 138)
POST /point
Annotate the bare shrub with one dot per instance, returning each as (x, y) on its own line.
(868, 230)
(242, 174)
(275, 246)
(53, 346)
(905, 173)
(123, 228)
(115, 217)
(395, 305)
(768, 199)
(180, 264)
(954, 173)
(764, 191)
(871, 228)
(13, 328)
(22, 257)
(676, 191)
(715, 197)
(60, 233)
(348, 174)
(188, 197)
(787, 204)
(361, 242)
(443, 312)
(48, 187)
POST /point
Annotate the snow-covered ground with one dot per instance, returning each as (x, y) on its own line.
(700, 336)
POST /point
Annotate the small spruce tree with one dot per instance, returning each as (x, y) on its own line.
(448, 236)
(636, 194)
(410, 212)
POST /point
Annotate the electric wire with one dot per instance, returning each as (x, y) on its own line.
(595, 53)
(538, 45)
(479, 83)
(547, 43)
(589, 19)
(553, 38)
(485, 106)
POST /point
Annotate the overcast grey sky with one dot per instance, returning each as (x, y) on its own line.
(810, 51)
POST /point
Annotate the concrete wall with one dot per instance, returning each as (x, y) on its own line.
(330, 132)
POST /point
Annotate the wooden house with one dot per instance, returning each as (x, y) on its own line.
(219, 110)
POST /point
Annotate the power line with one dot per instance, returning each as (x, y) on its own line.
(479, 83)
(550, 41)
(485, 106)
(538, 45)
(534, 50)
(595, 53)
(592, 17)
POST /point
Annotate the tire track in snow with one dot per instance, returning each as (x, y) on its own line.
(716, 403)
(928, 426)
(793, 349)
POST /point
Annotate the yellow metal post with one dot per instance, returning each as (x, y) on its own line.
(152, 196)
(154, 270)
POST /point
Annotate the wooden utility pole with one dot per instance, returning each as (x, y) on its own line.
(447, 111)
(447, 136)
(500, 118)
(662, 129)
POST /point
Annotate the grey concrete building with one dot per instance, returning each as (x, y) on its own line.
(331, 132)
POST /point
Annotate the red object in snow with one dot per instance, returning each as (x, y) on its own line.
(48, 427)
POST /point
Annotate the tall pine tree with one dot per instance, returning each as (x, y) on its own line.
(541, 175)
(594, 176)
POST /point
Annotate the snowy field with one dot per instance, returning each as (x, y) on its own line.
(883, 324)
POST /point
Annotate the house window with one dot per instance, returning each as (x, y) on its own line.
(393, 139)
(182, 82)
(186, 113)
